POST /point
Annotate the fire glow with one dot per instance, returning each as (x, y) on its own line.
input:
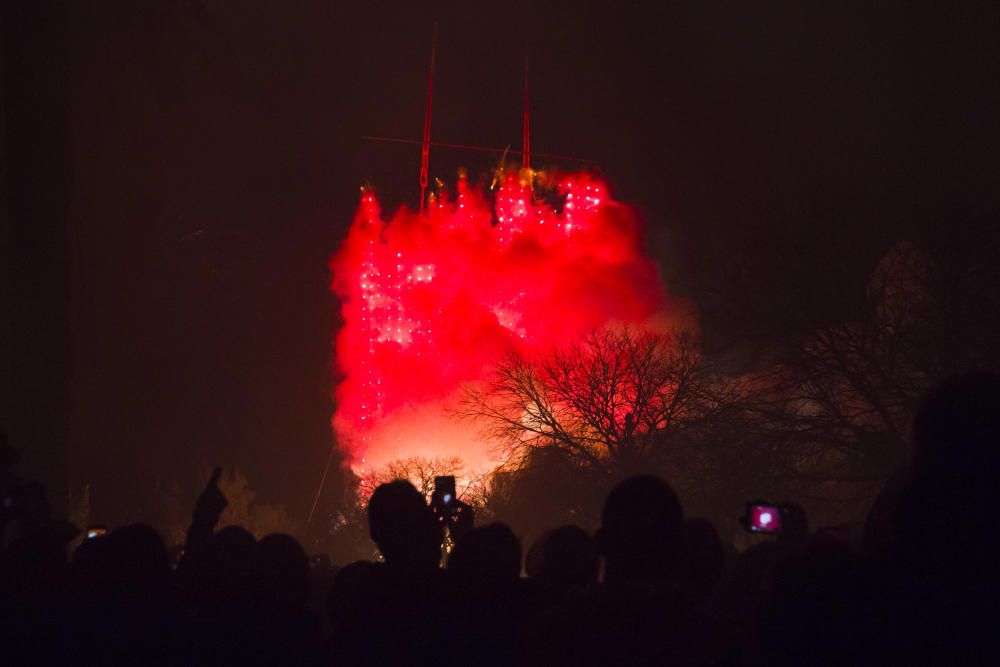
(429, 301)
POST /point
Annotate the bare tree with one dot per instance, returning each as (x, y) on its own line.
(835, 412)
(607, 401)
(418, 470)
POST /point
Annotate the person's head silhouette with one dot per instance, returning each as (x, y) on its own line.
(956, 428)
(704, 556)
(641, 533)
(281, 571)
(569, 558)
(490, 555)
(947, 520)
(138, 565)
(403, 527)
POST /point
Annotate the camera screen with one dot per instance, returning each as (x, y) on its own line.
(765, 519)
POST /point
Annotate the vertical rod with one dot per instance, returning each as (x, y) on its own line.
(526, 145)
(425, 149)
(319, 489)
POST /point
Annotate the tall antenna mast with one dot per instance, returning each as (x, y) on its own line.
(425, 149)
(526, 145)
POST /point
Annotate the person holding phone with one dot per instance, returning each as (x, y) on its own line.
(450, 512)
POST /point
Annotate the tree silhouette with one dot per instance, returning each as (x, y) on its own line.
(609, 402)
(418, 470)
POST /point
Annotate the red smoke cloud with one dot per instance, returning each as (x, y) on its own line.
(430, 301)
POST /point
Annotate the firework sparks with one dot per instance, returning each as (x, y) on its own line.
(429, 301)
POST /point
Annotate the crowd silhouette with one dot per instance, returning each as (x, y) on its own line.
(650, 586)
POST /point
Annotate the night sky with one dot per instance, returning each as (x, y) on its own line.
(178, 174)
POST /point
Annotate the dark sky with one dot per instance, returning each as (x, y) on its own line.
(203, 158)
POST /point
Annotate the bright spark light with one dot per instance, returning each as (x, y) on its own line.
(430, 301)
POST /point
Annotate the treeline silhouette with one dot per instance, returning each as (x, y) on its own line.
(649, 586)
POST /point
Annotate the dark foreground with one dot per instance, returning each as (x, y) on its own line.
(648, 588)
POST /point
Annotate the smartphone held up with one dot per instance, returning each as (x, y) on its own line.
(443, 500)
(96, 531)
(763, 517)
(450, 512)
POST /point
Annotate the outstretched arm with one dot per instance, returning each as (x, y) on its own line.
(207, 511)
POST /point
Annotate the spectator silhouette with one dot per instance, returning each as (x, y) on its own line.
(956, 429)
(407, 612)
(937, 576)
(927, 593)
(947, 523)
(747, 592)
(351, 609)
(569, 560)
(285, 630)
(950, 488)
(246, 600)
(641, 534)
(125, 613)
(534, 557)
(704, 559)
(321, 573)
(638, 616)
(33, 569)
(794, 524)
(403, 527)
(487, 557)
(486, 596)
(138, 566)
(232, 562)
(281, 573)
(207, 510)
(813, 616)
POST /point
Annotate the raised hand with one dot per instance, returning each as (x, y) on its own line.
(212, 501)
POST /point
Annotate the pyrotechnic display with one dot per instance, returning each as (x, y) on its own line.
(429, 301)
(382, 333)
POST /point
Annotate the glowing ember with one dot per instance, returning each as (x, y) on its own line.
(430, 301)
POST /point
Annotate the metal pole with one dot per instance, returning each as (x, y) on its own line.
(526, 145)
(425, 150)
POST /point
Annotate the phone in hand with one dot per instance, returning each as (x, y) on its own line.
(448, 509)
(96, 531)
(444, 502)
(444, 490)
(762, 517)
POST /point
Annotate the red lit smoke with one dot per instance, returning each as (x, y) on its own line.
(430, 301)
